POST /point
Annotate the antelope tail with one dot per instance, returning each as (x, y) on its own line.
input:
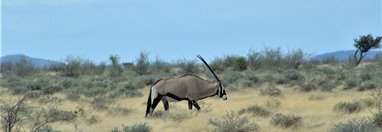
(148, 103)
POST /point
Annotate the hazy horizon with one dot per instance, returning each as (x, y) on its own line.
(95, 29)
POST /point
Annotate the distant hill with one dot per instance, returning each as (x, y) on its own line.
(38, 62)
(344, 55)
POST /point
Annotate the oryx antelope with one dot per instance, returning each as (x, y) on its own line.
(187, 87)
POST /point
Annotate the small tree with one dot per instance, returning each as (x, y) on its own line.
(116, 68)
(10, 115)
(143, 62)
(364, 44)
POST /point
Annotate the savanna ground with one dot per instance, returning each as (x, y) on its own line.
(267, 91)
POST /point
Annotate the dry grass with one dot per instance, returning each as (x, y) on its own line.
(318, 114)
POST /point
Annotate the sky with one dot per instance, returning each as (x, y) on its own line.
(176, 29)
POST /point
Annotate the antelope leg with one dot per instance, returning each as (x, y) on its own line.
(165, 104)
(196, 105)
(189, 105)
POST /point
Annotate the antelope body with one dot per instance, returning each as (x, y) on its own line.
(187, 87)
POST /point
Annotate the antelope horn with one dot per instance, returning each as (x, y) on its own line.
(201, 58)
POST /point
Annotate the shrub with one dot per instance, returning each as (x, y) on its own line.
(133, 93)
(25, 68)
(237, 63)
(286, 121)
(160, 66)
(47, 128)
(33, 94)
(72, 96)
(10, 114)
(54, 114)
(51, 89)
(365, 75)
(255, 110)
(354, 126)
(292, 75)
(275, 59)
(231, 77)
(377, 119)
(119, 111)
(348, 107)
(19, 90)
(49, 99)
(92, 120)
(217, 65)
(306, 86)
(138, 127)
(116, 68)
(327, 86)
(250, 79)
(350, 83)
(233, 123)
(187, 66)
(367, 85)
(143, 63)
(270, 91)
(72, 67)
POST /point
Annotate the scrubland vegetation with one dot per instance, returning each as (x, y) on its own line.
(268, 90)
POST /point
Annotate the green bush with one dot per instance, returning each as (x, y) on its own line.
(286, 121)
(292, 75)
(355, 126)
(72, 67)
(270, 91)
(275, 59)
(377, 119)
(51, 89)
(116, 68)
(72, 96)
(327, 86)
(250, 79)
(231, 77)
(351, 83)
(138, 127)
(54, 114)
(19, 90)
(306, 86)
(24, 68)
(49, 99)
(187, 66)
(92, 120)
(367, 85)
(142, 64)
(255, 110)
(230, 62)
(47, 128)
(237, 63)
(233, 123)
(348, 107)
(365, 75)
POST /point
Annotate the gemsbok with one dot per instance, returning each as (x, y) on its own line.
(187, 87)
